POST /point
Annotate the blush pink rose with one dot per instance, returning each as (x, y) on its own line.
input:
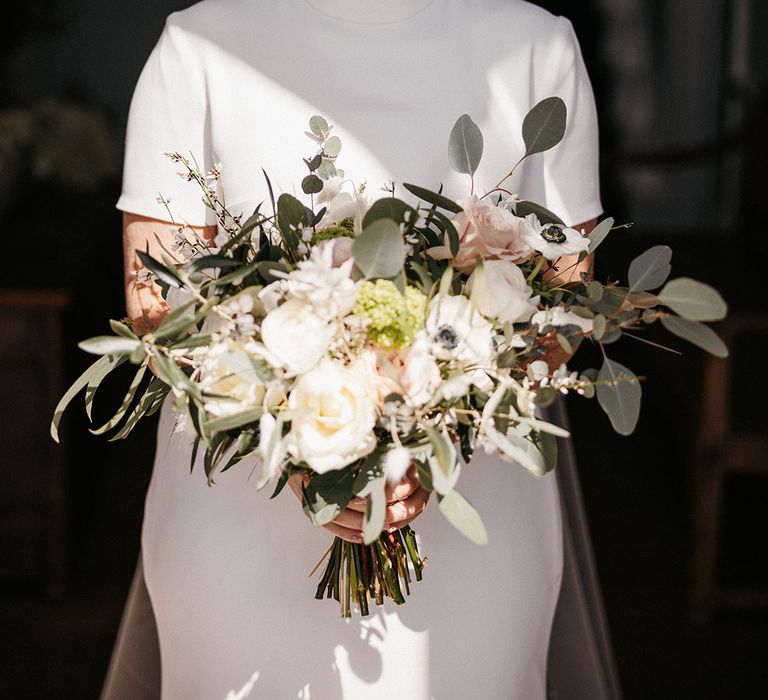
(485, 231)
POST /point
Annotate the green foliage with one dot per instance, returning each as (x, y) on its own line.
(465, 145)
(619, 394)
(693, 300)
(544, 125)
(650, 269)
(379, 250)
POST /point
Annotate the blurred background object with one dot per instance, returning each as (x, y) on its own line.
(682, 91)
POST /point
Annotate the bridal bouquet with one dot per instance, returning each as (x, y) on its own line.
(351, 340)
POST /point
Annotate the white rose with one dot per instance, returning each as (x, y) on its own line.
(558, 316)
(503, 293)
(224, 391)
(335, 416)
(457, 332)
(295, 336)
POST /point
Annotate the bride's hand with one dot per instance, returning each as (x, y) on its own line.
(406, 499)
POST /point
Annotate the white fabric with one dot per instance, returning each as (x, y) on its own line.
(235, 81)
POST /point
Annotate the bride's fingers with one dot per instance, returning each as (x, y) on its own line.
(393, 492)
(407, 509)
(345, 533)
(351, 519)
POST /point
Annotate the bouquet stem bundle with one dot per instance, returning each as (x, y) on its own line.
(359, 572)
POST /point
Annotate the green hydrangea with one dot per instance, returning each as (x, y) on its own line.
(345, 227)
(392, 317)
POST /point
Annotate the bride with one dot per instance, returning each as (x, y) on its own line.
(223, 573)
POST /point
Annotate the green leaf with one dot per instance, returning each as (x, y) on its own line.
(696, 333)
(127, 400)
(379, 250)
(598, 326)
(328, 494)
(595, 290)
(650, 269)
(96, 378)
(542, 213)
(462, 515)
(156, 391)
(174, 326)
(563, 342)
(291, 218)
(693, 300)
(95, 372)
(121, 329)
(375, 510)
(435, 198)
(311, 184)
(450, 230)
(318, 126)
(246, 366)
(332, 146)
(620, 400)
(109, 345)
(234, 420)
(465, 145)
(597, 235)
(544, 125)
(388, 208)
(213, 261)
(167, 274)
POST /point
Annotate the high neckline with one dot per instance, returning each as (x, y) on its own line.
(384, 14)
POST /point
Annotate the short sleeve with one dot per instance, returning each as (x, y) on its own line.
(168, 112)
(571, 169)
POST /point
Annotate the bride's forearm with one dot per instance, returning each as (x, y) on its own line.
(144, 304)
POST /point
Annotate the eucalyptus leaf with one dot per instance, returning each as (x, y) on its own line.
(318, 125)
(696, 333)
(332, 146)
(650, 269)
(311, 184)
(544, 125)
(375, 510)
(621, 399)
(462, 515)
(465, 145)
(387, 208)
(109, 345)
(543, 214)
(291, 218)
(328, 494)
(433, 198)
(245, 366)
(598, 326)
(693, 300)
(379, 251)
(597, 235)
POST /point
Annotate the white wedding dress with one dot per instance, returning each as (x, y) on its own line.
(235, 81)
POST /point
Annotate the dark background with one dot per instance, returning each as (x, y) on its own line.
(682, 92)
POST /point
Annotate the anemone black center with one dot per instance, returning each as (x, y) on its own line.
(447, 337)
(553, 234)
